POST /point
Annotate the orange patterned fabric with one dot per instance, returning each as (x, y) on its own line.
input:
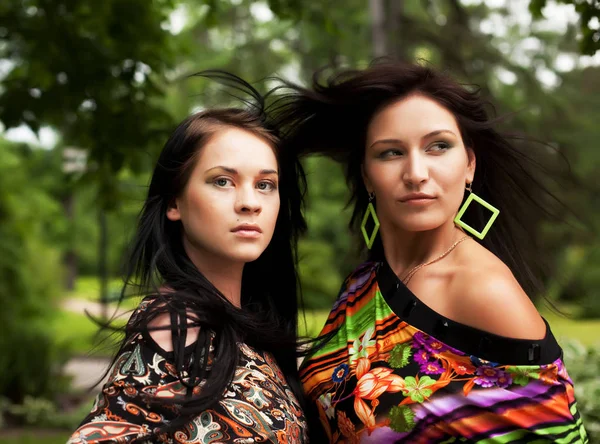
(257, 406)
(396, 371)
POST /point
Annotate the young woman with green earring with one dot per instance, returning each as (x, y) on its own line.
(434, 338)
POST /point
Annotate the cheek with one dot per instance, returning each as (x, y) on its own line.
(455, 197)
(451, 168)
(452, 182)
(384, 177)
(271, 210)
(201, 212)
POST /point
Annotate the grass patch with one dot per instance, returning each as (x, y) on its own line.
(87, 288)
(82, 335)
(21, 437)
(586, 331)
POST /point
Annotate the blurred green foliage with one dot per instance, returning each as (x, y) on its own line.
(97, 77)
(40, 413)
(589, 42)
(583, 365)
(111, 79)
(29, 266)
(34, 438)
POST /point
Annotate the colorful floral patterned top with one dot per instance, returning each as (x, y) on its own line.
(395, 371)
(257, 406)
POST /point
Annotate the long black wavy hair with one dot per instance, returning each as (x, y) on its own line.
(331, 118)
(159, 267)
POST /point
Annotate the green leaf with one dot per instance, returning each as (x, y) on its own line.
(402, 418)
(520, 378)
(418, 391)
(421, 395)
(535, 7)
(521, 375)
(400, 356)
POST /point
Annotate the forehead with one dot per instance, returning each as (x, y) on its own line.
(237, 148)
(409, 117)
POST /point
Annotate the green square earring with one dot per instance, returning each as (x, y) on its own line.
(363, 226)
(473, 197)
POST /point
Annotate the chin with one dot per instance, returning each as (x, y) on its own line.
(421, 224)
(246, 254)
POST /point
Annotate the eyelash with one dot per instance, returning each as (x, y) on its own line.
(443, 146)
(216, 181)
(272, 186)
(388, 153)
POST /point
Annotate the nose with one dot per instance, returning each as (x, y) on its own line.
(415, 170)
(248, 200)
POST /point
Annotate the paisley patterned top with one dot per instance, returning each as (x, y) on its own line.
(395, 371)
(257, 406)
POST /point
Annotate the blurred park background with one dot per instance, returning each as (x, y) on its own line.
(90, 90)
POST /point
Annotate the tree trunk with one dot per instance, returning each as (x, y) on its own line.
(394, 21)
(103, 261)
(70, 256)
(378, 32)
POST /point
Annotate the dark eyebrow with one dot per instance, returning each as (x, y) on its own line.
(235, 172)
(395, 141)
(437, 132)
(224, 168)
(268, 172)
(399, 142)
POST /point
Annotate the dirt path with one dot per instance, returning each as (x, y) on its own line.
(86, 371)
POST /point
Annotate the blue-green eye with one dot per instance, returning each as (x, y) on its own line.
(266, 186)
(439, 146)
(390, 153)
(222, 182)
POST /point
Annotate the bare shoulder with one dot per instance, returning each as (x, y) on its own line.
(162, 335)
(487, 296)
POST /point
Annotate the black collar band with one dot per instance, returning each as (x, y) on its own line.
(469, 340)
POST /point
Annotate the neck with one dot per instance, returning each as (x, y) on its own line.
(404, 250)
(223, 273)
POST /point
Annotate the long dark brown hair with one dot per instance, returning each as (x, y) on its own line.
(158, 261)
(332, 116)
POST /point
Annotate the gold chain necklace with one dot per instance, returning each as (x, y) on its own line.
(412, 272)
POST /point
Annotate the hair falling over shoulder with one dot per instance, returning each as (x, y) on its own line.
(158, 267)
(331, 117)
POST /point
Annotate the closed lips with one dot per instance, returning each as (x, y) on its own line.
(416, 196)
(247, 228)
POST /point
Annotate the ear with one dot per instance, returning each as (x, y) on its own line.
(471, 165)
(366, 180)
(173, 213)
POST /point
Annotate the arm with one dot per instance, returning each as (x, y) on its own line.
(124, 411)
(492, 300)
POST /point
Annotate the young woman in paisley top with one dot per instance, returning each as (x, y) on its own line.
(209, 356)
(434, 338)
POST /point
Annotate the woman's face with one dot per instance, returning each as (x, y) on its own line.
(230, 204)
(416, 164)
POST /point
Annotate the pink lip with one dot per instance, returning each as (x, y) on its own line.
(247, 230)
(417, 198)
